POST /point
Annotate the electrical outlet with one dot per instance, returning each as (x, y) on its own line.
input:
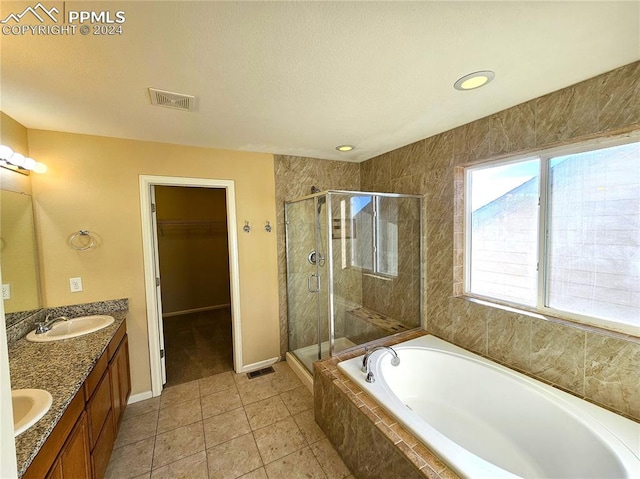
(6, 291)
(75, 284)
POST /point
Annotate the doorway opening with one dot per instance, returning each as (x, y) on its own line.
(191, 278)
(193, 256)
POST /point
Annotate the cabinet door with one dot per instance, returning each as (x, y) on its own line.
(120, 381)
(56, 471)
(74, 457)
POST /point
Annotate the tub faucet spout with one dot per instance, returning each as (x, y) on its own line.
(395, 360)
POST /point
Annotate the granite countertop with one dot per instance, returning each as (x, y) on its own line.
(59, 367)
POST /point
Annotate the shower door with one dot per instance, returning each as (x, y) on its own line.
(307, 290)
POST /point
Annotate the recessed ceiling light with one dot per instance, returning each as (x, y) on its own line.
(474, 80)
(345, 147)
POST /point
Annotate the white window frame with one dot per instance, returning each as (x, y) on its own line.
(375, 225)
(544, 157)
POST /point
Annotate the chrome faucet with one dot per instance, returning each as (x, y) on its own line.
(395, 360)
(44, 326)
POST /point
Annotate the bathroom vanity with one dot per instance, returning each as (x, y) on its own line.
(89, 380)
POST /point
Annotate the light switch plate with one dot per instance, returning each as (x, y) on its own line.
(75, 284)
(6, 291)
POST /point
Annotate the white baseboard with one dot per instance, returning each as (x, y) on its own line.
(196, 310)
(259, 365)
(134, 398)
(300, 371)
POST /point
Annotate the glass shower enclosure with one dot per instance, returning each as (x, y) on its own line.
(353, 270)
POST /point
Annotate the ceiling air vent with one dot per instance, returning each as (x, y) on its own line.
(169, 99)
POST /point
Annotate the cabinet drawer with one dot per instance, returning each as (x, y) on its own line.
(98, 407)
(102, 450)
(96, 374)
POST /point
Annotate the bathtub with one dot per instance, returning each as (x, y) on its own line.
(488, 421)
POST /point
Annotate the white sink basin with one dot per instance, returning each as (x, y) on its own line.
(29, 405)
(71, 328)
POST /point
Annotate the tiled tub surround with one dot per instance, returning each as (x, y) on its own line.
(485, 420)
(371, 443)
(59, 367)
(368, 438)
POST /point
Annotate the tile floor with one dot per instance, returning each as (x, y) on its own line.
(226, 426)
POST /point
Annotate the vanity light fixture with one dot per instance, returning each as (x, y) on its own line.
(345, 148)
(474, 80)
(17, 160)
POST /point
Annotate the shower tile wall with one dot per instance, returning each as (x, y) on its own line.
(294, 178)
(592, 364)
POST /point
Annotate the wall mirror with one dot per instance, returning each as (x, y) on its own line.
(18, 252)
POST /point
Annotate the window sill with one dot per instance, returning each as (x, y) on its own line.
(624, 335)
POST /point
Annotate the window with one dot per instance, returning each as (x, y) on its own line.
(375, 234)
(559, 232)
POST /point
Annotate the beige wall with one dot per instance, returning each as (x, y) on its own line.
(591, 363)
(193, 248)
(93, 184)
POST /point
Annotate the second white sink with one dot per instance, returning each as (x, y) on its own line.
(29, 405)
(72, 328)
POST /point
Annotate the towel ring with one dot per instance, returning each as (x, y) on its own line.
(77, 244)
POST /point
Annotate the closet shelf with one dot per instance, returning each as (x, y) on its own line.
(166, 227)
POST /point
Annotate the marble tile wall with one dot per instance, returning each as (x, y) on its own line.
(294, 178)
(593, 364)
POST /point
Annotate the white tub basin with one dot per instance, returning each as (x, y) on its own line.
(29, 405)
(72, 328)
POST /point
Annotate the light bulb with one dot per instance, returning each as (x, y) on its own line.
(17, 159)
(5, 152)
(29, 164)
(40, 168)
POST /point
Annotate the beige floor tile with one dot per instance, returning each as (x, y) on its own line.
(216, 383)
(257, 474)
(299, 464)
(279, 439)
(297, 400)
(137, 428)
(256, 390)
(178, 444)
(330, 460)
(223, 401)
(180, 393)
(141, 407)
(285, 379)
(265, 412)
(192, 467)
(226, 426)
(186, 412)
(146, 475)
(233, 458)
(131, 461)
(309, 427)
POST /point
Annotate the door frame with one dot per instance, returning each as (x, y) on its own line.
(146, 182)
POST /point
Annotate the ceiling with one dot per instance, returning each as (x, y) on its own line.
(300, 78)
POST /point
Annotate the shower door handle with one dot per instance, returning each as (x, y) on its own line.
(317, 286)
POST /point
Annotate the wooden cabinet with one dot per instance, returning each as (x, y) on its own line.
(73, 461)
(120, 381)
(80, 445)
